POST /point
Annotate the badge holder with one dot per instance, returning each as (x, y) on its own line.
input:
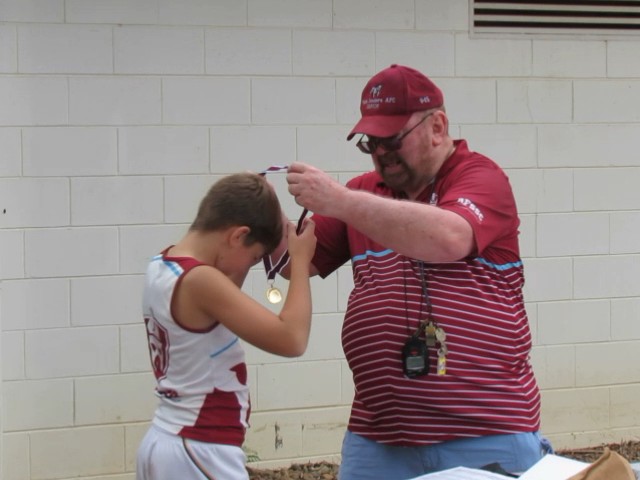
(415, 352)
(415, 357)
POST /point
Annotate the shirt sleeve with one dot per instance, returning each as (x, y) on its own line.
(332, 246)
(481, 193)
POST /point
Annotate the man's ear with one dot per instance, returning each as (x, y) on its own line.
(237, 235)
(440, 127)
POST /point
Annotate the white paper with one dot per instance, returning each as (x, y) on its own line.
(554, 467)
(550, 467)
(462, 473)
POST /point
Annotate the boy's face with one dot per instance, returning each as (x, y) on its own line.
(245, 257)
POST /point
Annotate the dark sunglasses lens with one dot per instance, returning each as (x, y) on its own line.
(371, 144)
(368, 146)
(390, 144)
(363, 145)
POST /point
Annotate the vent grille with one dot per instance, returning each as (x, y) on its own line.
(564, 17)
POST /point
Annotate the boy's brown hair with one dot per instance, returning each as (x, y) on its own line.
(242, 199)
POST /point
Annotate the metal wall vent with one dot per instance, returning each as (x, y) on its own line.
(556, 17)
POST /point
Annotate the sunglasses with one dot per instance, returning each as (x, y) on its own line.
(369, 144)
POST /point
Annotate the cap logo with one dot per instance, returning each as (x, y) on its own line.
(390, 97)
(374, 100)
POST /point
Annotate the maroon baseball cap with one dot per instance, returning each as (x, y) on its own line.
(390, 98)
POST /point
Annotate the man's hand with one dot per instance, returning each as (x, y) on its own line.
(314, 189)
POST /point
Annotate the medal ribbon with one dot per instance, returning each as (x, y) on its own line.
(273, 269)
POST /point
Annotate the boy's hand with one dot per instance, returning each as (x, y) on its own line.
(303, 244)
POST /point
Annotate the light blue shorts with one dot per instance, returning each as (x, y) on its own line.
(364, 459)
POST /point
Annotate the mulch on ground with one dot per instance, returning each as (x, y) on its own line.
(329, 471)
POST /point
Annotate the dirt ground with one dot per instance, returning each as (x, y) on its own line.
(329, 471)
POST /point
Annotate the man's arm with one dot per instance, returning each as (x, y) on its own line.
(414, 229)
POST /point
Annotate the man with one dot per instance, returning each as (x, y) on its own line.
(435, 331)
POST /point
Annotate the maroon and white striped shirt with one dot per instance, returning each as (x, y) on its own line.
(489, 387)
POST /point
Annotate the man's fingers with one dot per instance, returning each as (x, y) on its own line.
(295, 167)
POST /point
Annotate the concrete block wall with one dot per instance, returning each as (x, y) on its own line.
(115, 117)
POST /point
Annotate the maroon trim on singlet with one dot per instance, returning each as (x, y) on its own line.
(187, 264)
(218, 419)
(210, 426)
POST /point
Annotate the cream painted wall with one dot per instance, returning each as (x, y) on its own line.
(116, 115)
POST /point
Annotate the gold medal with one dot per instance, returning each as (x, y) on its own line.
(274, 295)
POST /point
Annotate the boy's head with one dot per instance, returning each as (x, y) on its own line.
(242, 199)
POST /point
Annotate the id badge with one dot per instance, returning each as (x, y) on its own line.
(415, 357)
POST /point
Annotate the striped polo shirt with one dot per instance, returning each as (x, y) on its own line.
(489, 386)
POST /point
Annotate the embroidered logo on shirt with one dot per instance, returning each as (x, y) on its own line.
(465, 202)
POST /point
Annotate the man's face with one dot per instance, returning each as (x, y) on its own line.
(407, 169)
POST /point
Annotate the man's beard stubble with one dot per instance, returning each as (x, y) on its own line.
(395, 172)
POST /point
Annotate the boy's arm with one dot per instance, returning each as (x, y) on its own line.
(207, 296)
(281, 249)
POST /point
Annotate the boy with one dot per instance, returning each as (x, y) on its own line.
(195, 312)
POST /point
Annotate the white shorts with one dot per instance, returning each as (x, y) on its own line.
(165, 456)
